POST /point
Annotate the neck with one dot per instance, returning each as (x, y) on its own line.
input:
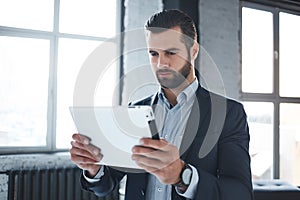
(172, 93)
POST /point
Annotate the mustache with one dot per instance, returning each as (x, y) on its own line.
(165, 70)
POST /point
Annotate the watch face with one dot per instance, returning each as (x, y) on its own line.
(186, 176)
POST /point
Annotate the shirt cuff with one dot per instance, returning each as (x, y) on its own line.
(96, 178)
(191, 190)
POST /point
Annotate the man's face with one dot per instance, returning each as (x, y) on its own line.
(170, 60)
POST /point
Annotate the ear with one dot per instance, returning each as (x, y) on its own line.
(194, 50)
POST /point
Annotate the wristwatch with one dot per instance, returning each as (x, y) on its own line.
(185, 177)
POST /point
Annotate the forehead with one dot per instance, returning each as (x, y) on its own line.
(168, 38)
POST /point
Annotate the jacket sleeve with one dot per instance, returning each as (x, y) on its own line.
(233, 177)
(108, 182)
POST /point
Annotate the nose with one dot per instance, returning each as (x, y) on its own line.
(162, 61)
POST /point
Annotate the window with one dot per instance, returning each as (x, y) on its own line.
(255, 44)
(43, 45)
(270, 94)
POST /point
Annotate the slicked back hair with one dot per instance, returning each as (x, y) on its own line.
(168, 19)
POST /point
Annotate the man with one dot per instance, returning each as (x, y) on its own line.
(190, 121)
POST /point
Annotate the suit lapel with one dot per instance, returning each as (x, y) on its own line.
(136, 182)
(198, 122)
(195, 127)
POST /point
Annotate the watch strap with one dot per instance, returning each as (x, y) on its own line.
(180, 183)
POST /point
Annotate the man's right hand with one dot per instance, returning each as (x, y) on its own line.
(84, 154)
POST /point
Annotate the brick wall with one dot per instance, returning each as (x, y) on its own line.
(139, 80)
(219, 36)
(219, 56)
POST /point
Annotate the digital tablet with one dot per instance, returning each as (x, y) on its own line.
(115, 130)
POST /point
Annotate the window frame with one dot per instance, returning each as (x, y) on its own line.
(273, 97)
(53, 37)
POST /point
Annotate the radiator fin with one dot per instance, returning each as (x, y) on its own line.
(50, 184)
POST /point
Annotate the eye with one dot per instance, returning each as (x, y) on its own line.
(153, 53)
(171, 53)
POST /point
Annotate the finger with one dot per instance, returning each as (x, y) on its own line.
(80, 160)
(147, 152)
(155, 144)
(151, 170)
(89, 147)
(87, 150)
(83, 156)
(146, 161)
(155, 149)
(81, 138)
(77, 144)
(80, 152)
(142, 150)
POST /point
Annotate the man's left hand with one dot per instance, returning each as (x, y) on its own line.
(159, 158)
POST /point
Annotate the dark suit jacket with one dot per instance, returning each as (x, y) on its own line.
(215, 142)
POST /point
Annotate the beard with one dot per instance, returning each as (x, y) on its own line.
(176, 78)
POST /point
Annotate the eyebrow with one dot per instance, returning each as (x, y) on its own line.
(167, 50)
(172, 49)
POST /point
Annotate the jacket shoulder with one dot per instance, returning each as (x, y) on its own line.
(230, 103)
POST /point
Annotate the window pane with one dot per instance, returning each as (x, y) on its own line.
(257, 51)
(71, 55)
(88, 17)
(24, 68)
(260, 120)
(290, 142)
(31, 14)
(289, 55)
